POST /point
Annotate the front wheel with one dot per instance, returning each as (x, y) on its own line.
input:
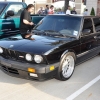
(67, 66)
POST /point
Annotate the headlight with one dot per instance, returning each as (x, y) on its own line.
(38, 58)
(28, 57)
(1, 50)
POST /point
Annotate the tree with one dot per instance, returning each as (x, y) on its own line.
(66, 5)
(92, 12)
(23, 0)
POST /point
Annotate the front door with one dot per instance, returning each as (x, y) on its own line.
(88, 40)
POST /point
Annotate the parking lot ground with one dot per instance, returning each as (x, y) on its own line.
(12, 88)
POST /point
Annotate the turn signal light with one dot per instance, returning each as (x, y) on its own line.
(32, 70)
(52, 68)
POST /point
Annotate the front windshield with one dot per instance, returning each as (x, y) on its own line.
(66, 25)
(2, 6)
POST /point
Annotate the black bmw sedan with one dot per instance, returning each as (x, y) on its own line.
(60, 43)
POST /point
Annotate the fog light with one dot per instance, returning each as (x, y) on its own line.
(32, 70)
(52, 68)
(33, 75)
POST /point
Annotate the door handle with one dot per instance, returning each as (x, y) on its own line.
(95, 37)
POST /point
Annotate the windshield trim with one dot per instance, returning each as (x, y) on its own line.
(75, 32)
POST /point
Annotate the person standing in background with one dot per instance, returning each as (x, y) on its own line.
(60, 11)
(41, 12)
(26, 23)
(86, 12)
(46, 10)
(68, 11)
(74, 11)
(51, 10)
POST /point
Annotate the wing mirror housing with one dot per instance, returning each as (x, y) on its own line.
(86, 31)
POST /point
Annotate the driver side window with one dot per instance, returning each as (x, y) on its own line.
(16, 8)
(87, 26)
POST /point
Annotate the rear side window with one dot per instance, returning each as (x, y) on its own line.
(97, 24)
(88, 25)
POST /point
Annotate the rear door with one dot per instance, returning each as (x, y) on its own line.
(88, 40)
(96, 22)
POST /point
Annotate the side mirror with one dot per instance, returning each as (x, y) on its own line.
(86, 31)
(9, 13)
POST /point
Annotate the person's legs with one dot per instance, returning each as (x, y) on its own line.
(26, 35)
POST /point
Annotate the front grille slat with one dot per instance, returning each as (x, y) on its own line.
(14, 55)
(10, 70)
(4, 68)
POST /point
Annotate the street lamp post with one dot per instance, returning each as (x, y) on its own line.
(34, 7)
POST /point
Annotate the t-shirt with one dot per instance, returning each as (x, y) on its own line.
(85, 13)
(60, 12)
(46, 11)
(51, 11)
(73, 12)
(68, 12)
(25, 15)
(41, 12)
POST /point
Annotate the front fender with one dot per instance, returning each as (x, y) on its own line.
(66, 51)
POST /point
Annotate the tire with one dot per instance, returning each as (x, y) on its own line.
(66, 67)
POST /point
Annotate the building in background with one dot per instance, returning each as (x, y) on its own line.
(80, 6)
(90, 4)
(98, 8)
(95, 4)
(39, 3)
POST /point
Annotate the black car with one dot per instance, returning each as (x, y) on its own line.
(61, 42)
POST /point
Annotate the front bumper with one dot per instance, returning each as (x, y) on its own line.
(20, 69)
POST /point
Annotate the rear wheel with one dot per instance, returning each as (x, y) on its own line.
(67, 66)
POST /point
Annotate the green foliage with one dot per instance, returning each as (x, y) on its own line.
(92, 12)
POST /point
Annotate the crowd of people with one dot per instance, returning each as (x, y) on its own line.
(50, 10)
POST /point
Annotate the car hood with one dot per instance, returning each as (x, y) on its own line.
(40, 45)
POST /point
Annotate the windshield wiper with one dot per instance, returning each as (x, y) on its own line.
(51, 32)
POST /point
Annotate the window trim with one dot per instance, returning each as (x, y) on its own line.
(14, 4)
(92, 25)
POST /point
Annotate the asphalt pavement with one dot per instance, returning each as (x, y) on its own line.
(83, 85)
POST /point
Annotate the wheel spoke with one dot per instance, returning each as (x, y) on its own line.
(68, 66)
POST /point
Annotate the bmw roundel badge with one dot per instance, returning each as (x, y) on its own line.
(11, 46)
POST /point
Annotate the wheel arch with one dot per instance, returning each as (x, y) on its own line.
(67, 51)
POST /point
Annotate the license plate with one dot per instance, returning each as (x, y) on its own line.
(34, 75)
